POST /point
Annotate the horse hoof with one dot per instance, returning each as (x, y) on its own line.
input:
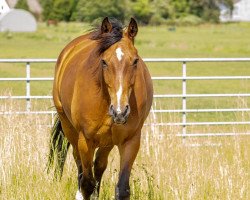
(79, 195)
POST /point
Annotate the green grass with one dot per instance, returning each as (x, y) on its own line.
(230, 40)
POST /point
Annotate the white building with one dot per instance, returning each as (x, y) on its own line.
(4, 7)
(16, 20)
(241, 12)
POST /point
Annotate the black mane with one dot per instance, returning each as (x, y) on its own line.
(106, 40)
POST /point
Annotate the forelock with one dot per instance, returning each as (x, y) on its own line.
(106, 40)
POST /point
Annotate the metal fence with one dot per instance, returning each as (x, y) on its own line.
(184, 94)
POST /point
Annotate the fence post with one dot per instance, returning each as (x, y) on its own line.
(184, 102)
(28, 104)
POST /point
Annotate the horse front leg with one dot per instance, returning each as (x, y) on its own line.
(77, 158)
(100, 165)
(86, 180)
(128, 152)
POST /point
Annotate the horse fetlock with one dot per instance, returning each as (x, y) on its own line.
(94, 196)
(122, 193)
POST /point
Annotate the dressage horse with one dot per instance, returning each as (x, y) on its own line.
(102, 93)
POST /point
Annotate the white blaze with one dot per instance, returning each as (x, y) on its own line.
(118, 95)
(79, 195)
(119, 53)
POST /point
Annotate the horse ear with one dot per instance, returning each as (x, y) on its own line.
(132, 29)
(106, 26)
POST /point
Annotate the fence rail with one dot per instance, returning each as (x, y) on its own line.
(184, 94)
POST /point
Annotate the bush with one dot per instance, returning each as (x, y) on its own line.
(189, 20)
(22, 4)
(156, 19)
(211, 15)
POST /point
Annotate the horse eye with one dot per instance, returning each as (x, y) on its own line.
(104, 64)
(135, 61)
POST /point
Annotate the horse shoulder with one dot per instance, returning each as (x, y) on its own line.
(89, 108)
(149, 86)
(66, 67)
(143, 89)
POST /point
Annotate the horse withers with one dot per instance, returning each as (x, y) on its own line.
(102, 93)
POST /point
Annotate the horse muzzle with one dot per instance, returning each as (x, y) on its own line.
(119, 117)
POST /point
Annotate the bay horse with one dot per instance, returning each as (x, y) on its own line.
(102, 93)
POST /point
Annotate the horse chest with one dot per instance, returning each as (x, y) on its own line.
(99, 133)
(108, 133)
(103, 136)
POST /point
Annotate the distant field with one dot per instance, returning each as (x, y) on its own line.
(230, 40)
(209, 40)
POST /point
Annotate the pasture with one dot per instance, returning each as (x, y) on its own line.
(166, 167)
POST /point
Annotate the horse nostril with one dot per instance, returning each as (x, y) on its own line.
(122, 116)
(126, 107)
(112, 110)
(126, 111)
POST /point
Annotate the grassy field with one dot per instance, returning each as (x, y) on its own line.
(230, 40)
(167, 167)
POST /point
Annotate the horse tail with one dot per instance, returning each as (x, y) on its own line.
(59, 147)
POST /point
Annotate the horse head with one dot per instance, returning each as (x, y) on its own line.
(119, 63)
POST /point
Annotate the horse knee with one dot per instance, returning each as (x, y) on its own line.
(99, 169)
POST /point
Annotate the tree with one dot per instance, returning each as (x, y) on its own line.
(22, 4)
(47, 9)
(145, 11)
(63, 9)
(60, 10)
(141, 10)
(208, 10)
(180, 8)
(90, 11)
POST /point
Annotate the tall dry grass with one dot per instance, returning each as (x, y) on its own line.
(167, 167)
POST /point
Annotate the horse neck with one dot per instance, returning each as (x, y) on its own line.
(94, 72)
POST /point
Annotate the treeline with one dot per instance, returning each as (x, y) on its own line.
(153, 12)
